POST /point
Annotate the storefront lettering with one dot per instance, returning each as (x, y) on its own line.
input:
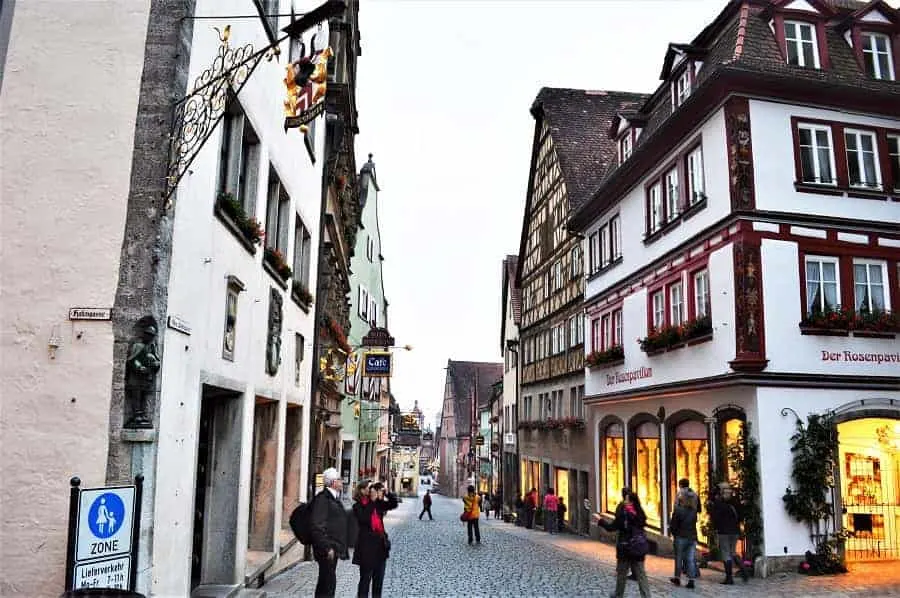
(620, 377)
(878, 358)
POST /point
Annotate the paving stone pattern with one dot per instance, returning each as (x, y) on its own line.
(432, 558)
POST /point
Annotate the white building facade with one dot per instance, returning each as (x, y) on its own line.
(511, 317)
(747, 237)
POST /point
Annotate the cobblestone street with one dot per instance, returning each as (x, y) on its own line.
(432, 558)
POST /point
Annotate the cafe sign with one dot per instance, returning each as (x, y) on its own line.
(377, 364)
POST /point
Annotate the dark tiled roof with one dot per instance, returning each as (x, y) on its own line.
(468, 377)
(578, 122)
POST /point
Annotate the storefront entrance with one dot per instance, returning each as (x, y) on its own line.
(869, 462)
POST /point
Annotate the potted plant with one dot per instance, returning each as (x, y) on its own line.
(301, 292)
(696, 328)
(876, 321)
(249, 227)
(830, 319)
(611, 355)
(275, 259)
(660, 339)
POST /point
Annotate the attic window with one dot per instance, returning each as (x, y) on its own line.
(876, 49)
(681, 88)
(801, 44)
(625, 146)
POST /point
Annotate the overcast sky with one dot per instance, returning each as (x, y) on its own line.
(444, 90)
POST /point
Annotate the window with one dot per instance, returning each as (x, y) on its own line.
(363, 303)
(676, 304)
(594, 252)
(613, 469)
(573, 331)
(238, 157)
(557, 275)
(656, 207)
(671, 180)
(604, 246)
(800, 39)
(607, 331)
(573, 401)
(617, 328)
(862, 159)
(302, 253)
(701, 294)
(596, 335)
(373, 312)
(659, 310)
(370, 249)
(821, 284)
(683, 86)
(816, 156)
(579, 329)
(278, 206)
(625, 147)
(869, 286)
(876, 48)
(298, 357)
(694, 170)
(615, 238)
(893, 145)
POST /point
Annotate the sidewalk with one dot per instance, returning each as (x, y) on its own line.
(871, 579)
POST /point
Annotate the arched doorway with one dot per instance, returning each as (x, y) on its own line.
(869, 485)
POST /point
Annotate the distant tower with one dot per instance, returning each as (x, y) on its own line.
(420, 417)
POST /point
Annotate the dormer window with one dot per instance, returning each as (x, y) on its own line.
(683, 86)
(801, 44)
(625, 145)
(876, 49)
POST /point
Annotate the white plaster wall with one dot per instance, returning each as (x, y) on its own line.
(65, 171)
(511, 375)
(699, 361)
(788, 350)
(204, 254)
(782, 534)
(773, 164)
(632, 209)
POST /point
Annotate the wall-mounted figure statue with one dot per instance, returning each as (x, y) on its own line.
(273, 343)
(140, 373)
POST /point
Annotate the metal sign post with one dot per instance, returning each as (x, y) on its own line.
(104, 527)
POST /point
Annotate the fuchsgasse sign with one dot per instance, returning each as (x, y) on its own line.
(103, 536)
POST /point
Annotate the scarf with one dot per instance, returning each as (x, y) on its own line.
(375, 521)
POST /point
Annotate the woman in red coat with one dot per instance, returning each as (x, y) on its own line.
(372, 543)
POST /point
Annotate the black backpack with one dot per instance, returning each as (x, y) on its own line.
(301, 522)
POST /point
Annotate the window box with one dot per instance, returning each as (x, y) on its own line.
(276, 266)
(301, 296)
(231, 213)
(669, 338)
(811, 331)
(840, 322)
(828, 319)
(612, 356)
(869, 334)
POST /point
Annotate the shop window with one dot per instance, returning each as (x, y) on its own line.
(691, 456)
(731, 431)
(613, 466)
(646, 477)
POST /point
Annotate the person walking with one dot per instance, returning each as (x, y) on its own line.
(631, 543)
(531, 502)
(498, 505)
(519, 504)
(329, 529)
(372, 543)
(561, 515)
(683, 527)
(472, 511)
(726, 519)
(551, 504)
(426, 506)
(684, 485)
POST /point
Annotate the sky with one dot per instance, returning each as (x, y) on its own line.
(444, 89)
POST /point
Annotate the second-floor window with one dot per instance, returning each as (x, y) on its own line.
(869, 285)
(575, 262)
(876, 49)
(302, 253)
(893, 146)
(658, 302)
(672, 195)
(862, 159)
(607, 331)
(800, 39)
(278, 206)
(816, 155)
(615, 238)
(656, 207)
(694, 169)
(238, 157)
(701, 293)
(822, 289)
(676, 304)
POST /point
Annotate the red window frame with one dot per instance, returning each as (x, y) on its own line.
(845, 257)
(860, 28)
(817, 21)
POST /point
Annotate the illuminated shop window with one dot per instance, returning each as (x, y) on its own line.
(731, 434)
(646, 480)
(614, 466)
(692, 459)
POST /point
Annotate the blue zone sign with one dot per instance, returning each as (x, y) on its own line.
(377, 365)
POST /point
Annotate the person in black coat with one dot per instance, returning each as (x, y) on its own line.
(372, 543)
(629, 522)
(725, 514)
(329, 529)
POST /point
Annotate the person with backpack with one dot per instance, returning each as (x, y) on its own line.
(426, 506)
(372, 543)
(471, 514)
(328, 532)
(631, 542)
(683, 527)
(725, 514)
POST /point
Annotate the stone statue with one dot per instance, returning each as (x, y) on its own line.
(140, 373)
(273, 342)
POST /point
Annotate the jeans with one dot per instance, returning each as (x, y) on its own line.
(529, 517)
(472, 524)
(550, 522)
(685, 550)
(426, 510)
(727, 544)
(636, 567)
(327, 582)
(374, 576)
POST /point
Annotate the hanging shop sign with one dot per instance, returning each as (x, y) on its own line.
(103, 536)
(305, 83)
(377, 364)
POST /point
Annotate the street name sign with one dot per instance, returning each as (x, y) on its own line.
(90, 313)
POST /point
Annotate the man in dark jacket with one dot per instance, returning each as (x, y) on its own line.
(426, 506)
(531, 502)
(725, 513)
(683, 527)
(329, 531)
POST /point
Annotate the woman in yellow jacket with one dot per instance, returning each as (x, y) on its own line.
(472, 511)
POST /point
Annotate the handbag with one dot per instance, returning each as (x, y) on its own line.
(636, 547)
(464, 517)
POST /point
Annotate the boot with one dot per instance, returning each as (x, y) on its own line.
(729, 574)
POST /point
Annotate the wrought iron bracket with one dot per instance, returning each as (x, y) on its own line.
(786, 410)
